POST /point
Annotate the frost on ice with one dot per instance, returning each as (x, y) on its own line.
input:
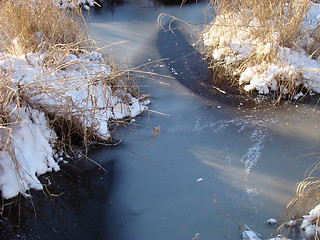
(77, 90)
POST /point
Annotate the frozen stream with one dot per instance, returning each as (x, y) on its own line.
(250, 159)
(192, 146)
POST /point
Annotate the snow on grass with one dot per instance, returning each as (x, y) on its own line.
(78, 89)
(73, 3)
(310, 224)
(232, 40)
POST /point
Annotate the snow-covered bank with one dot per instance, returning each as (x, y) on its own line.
(268, 62)
(53, 86)
(77, 89)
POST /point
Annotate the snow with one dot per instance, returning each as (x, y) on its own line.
(280, 238)
(32, 148)
(298, 95)
(272, 221)
(86, 4)
(309, 225)
(233, 46)
(250, 235)
(78, 89)
(291, 223)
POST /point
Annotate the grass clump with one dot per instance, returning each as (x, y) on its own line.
(268, 46)
(307, 197)
(28, 26)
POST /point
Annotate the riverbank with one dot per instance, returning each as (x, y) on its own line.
(265, 47)
(56, 91)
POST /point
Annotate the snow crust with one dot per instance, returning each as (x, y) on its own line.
(233, 46)
(78, 89)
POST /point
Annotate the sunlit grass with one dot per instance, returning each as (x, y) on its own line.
(261, 27)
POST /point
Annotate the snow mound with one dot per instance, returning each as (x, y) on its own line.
(232, 47)
(77, 89)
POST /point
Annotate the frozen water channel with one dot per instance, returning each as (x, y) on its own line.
(249, 157)
(192, 146)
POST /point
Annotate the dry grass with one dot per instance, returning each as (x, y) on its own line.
(33, 26)
(9, 101)
(276, 23)
(281, 17)
(307, 192)
(28, 26)
(306, 198)
(40, 26)
(75, 123)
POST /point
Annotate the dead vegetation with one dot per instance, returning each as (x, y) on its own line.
(38, 25)
(307, 197)
(281, 17)
(260, 27)
(37, 36)
(307, 193)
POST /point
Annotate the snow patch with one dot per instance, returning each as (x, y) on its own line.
(31, 153)
(78, 91)
(272, 221)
